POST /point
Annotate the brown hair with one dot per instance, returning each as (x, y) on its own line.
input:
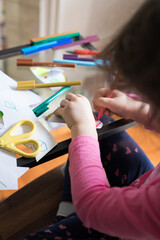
(134, 54)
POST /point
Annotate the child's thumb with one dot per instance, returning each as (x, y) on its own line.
(58, 111)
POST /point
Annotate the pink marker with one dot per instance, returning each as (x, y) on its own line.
(134, 96)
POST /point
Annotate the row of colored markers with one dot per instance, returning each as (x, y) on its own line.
(55, 42)
(59, 41)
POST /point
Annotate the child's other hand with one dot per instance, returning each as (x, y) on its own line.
(77, 113)
(118, 103)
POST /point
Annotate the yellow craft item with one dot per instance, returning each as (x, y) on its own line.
(9, 141)
(31, 84)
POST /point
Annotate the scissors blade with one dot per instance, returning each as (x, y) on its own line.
(62, 147)
(115, 127)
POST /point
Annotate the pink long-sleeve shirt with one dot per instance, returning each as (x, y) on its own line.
(130, 212)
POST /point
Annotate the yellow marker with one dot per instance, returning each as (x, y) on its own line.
(31, 84)
(52, 114)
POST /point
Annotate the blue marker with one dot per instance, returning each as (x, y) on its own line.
(44, 46)
(40, 109)
(82, 63)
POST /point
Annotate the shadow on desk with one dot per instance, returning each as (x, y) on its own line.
(32, 207)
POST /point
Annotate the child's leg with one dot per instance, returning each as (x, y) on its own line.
(69, 228)
(65, 207)
(123, 160)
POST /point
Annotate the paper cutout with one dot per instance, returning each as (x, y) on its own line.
(53, 118)
(99, 124)
(49, 75)
(41, 71)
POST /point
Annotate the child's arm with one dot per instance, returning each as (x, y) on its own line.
(128, 212)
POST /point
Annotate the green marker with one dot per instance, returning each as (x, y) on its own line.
(49, 39)
(1, 120)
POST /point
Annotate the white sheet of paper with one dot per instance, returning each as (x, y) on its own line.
(26, 97)
(13, 112)
(8, 158)
(19, 172)
(15, 106)
(47, 142)
(9, 177)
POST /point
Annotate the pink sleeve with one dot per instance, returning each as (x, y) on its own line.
(123, 212)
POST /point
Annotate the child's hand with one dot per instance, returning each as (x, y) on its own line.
(77, 113)
(121, 105)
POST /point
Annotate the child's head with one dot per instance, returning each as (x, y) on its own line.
(134, 53)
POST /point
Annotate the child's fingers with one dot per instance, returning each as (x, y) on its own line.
(108, 112)
(71, 97)
(58, 111)
(97, 109)
(64, 103)
(103, 92)
(104, 102)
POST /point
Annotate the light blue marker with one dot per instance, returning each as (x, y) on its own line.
(82, 63)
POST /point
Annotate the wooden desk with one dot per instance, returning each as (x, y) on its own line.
(35, 204)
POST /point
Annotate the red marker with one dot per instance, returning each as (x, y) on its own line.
(131, 95)
(84, 52)
(101, 112)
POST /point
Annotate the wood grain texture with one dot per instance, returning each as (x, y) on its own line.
(32, 207)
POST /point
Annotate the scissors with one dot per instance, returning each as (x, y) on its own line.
(9, 141)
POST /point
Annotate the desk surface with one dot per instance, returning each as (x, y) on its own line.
(88, 76)
(92, 79)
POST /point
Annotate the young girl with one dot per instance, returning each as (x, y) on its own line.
(114, 186)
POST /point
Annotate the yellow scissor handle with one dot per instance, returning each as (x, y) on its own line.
(11, 147)
(8, 141)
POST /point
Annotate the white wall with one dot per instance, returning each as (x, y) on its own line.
(102, 17)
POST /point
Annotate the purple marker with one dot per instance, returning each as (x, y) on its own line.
(75, 57)
(80, 42)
